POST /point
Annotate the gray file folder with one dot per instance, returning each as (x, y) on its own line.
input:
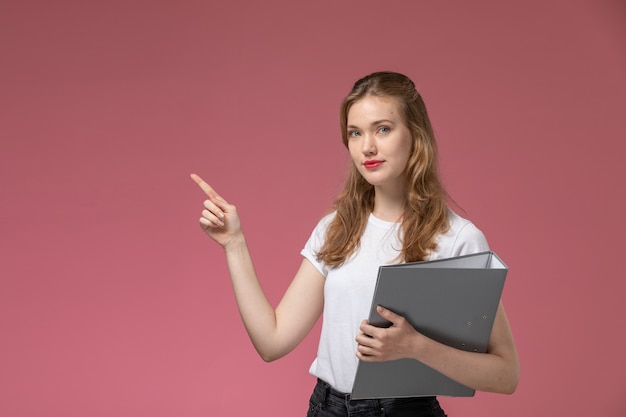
(453, 301)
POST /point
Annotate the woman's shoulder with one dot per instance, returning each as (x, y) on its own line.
(458, 225)
(325, 220)
(462, 238)
(319, 231)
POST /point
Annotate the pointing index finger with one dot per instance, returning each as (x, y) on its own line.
(204, 186)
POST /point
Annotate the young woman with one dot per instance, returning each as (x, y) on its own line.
(393, 209)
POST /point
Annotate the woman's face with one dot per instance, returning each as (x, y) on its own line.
(379, 141)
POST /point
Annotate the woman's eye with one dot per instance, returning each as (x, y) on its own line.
(353, 133)
(384, 129)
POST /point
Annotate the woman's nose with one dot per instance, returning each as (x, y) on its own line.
(369, 145)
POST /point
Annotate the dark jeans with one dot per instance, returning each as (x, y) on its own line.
(326, 402)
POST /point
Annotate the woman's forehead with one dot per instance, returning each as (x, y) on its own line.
(371, 108)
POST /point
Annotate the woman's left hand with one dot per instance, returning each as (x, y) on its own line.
(377, 344)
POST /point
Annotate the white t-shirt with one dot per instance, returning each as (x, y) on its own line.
(349, 289)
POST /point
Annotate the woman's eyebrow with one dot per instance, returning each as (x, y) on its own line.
(374, 123)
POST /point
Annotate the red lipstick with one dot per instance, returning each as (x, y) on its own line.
(372, 163)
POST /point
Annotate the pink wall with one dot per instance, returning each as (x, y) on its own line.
(114, 303)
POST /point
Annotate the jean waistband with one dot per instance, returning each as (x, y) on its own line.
(328, 392)
(331, 392)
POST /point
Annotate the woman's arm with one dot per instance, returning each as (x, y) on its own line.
(494, 371)
(274, 332)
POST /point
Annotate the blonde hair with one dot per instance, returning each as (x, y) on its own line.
(425, 212)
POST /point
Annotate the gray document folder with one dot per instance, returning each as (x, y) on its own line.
(453, 301)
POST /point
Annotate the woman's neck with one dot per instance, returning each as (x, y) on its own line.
(389, 206)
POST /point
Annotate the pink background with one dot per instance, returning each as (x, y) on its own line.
(114, 303)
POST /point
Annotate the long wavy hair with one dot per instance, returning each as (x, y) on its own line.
(425, 212)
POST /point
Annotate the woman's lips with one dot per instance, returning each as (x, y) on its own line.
(372, 164)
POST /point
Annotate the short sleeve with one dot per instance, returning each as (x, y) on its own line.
(315, 243)
(470, 240)
(462, 238)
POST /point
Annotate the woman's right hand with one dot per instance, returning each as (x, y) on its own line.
(219, 219)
